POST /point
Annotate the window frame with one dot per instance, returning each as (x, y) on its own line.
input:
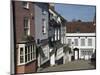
(76, 42)
(25, 54)
(82, 42)
(21, 55)
(44, 26)
(26, 6)
(26, 26)
(69, 42)
(90, 42)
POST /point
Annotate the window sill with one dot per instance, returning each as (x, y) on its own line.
(26, 7)
(20, 64)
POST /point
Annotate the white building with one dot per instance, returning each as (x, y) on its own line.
(57, 31)
(81, 37)
(84, 42)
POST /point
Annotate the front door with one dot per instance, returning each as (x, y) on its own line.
(76, 55)
(52, 60)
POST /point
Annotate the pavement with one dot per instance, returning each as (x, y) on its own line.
(70, 66)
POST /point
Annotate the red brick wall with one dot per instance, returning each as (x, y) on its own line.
(31, 67)
(20, 13)
(28, 68)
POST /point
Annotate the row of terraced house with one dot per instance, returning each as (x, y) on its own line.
(40, 37)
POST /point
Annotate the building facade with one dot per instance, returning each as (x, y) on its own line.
(30, 21)
(41, 33)
(57, 30)
(81, 37)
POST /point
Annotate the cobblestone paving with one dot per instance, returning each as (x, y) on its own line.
(74, 65)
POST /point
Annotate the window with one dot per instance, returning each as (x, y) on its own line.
(89, 42)
(58, 34)
(82, 42)
(21, 55)
(26, 5)
(28, 55)
(44, 26)
(76, 42)
(43, 12)
(69, 41)
(55, 34)
(26, 26)
(86, 52)
(77, 30)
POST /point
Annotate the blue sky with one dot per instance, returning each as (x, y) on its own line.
(70, 12)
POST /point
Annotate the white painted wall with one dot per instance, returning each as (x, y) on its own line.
(46, 53)
(80, 36)
(52, 60)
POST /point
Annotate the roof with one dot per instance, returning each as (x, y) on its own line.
(63, 19)
(81, 27)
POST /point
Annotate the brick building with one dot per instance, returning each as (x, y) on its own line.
(81, 37)
(30, 21)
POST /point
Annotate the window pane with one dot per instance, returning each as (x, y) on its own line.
(28, 57)
(28, 49)
(21, 51)
(69, 41)
(89, 42)
(31, 56)
(31, 48)
(21, 59)
(25, 31)
(25, 50)
(76, 42)
(44, 26)
(25, 4)
(82, 42)
(25, 22)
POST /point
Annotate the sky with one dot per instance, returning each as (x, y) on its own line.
(69, 12)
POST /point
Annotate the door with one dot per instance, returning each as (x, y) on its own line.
(52, 60)
(76, 55)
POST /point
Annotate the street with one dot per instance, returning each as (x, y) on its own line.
(73, 65)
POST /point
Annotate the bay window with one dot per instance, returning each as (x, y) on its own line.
(27, 54)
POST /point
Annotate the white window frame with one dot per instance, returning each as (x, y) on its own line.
(76, 42)
(26, 5)
(86, 52)
(89, 42)
(82, 42)
(69, 42)
(24, 55)
(26, 26)
(56, 34)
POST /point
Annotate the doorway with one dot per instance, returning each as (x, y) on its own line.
(76, 53)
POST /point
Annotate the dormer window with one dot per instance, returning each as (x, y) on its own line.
(43, 12)
(77, 30)
(26, 5)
